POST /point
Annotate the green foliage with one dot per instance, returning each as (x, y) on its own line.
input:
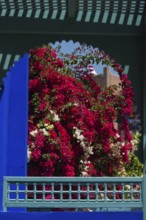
(135, 167)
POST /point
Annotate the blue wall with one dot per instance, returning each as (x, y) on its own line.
(72, 216)
(13, 122)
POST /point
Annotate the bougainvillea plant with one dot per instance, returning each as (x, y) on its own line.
(72, 119)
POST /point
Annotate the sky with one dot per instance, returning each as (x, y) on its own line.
(68, 47)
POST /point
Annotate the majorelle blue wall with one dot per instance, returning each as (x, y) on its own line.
(71, 215)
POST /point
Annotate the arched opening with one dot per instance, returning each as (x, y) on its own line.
(108, 77)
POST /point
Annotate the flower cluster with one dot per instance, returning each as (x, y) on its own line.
(71, 120)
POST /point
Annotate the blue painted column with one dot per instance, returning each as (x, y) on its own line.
(14, 122)
(3, 132)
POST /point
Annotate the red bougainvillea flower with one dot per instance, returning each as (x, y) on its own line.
(72, 120)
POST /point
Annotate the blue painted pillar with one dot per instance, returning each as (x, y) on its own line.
(14, 122)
